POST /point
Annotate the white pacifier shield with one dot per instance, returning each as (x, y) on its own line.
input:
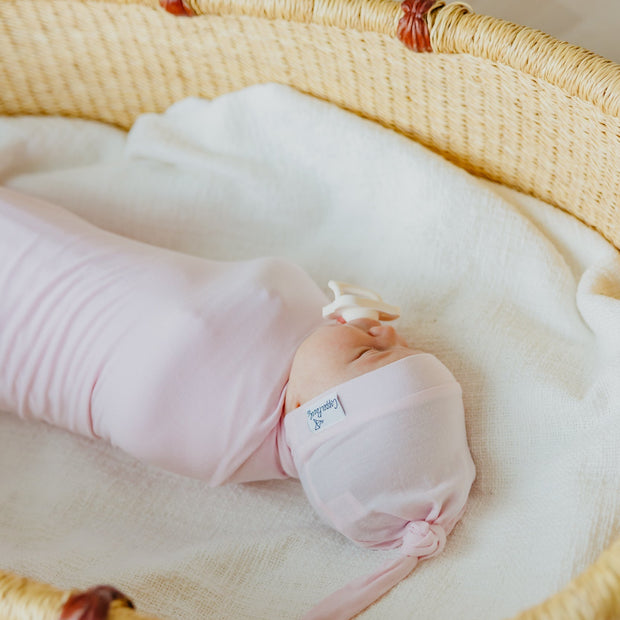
(353, 302)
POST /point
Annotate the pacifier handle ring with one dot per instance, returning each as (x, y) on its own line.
(354, 302)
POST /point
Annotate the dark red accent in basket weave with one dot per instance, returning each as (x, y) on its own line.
(412, 27)
(92, 604)
(177, 7)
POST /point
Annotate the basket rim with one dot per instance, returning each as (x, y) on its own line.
(454, 29)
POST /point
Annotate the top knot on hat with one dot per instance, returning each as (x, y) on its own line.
(423, 539)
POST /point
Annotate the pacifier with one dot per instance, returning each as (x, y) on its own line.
(354, 302)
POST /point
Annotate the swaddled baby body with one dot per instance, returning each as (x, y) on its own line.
(177, 360)
(227, 372)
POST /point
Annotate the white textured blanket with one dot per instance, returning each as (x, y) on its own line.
(518, 299)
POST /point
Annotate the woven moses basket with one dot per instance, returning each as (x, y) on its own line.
(502, 101)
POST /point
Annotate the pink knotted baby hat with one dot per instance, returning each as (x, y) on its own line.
(383, 459)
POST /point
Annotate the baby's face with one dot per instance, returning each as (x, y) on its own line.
(336, 353)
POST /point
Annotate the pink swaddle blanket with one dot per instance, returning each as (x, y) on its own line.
(179, 361)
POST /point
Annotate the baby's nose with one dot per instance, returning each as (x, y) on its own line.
(385, 333)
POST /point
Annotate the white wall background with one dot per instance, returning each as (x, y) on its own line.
(593, 24)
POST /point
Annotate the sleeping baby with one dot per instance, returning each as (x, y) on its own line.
(229, 372)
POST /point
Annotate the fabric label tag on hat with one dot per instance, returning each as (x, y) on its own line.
(322, 414)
